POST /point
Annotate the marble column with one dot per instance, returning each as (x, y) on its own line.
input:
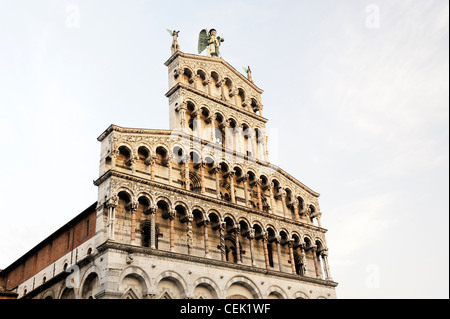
(270, 187)
(266, 252)
(251, 237)
(231, 178)
(278, 241)
(316, 262)
(291, 256)
(283, 201)
(152, 227)
(222, 227)
(111, 205)
(215, 170)
(205, 228)
(244, 180)
(171, 216)
(258, 190)
(152, 162)
(133, 209)
(189, 233)
(295, 206)
(202, 176)
(187, 185)
(238, 248)
(326, 266)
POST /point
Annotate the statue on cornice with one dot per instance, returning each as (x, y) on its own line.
(249, 73)
(175, 46)
(210, 41)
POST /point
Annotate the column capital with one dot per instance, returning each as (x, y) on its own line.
(233, 92)
(170, 214)
(214, 169)
(151, 160)
(265, 236)
(112, 201)
(178, 72)
(134, 206)
(236, 229)
(243, 178)
(220, 83)
(323, 252)
(181, 107)
(290, 243)
(222, 225)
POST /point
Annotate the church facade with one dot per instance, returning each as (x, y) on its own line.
(195, 211)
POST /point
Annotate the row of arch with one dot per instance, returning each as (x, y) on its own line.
(223, 87)
(135, 283)
(232, 182)
(228, 131)
(160, 224)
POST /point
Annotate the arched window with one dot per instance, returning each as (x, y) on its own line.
(123, 157)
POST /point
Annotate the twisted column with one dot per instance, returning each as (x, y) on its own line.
(303, 261)
(189, 234)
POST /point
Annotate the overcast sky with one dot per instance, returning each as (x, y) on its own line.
(356, 93)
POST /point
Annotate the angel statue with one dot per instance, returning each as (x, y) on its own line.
(249, 73)
(210, 41)
(175, 46)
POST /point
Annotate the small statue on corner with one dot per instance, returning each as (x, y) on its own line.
(175, 46)
(249, 73)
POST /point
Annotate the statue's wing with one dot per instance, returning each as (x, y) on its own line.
(202, 40)
(170, 32)
(245, 69)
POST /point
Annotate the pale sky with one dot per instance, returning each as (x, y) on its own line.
(356, 93)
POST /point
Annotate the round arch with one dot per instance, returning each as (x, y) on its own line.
(176, 279)
(207, 283)
(247, 283)
(277, 291)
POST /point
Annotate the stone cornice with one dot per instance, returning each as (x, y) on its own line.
(111, 245)
(121, 129)
(216, 60)
(215, 99)
(133, 178)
